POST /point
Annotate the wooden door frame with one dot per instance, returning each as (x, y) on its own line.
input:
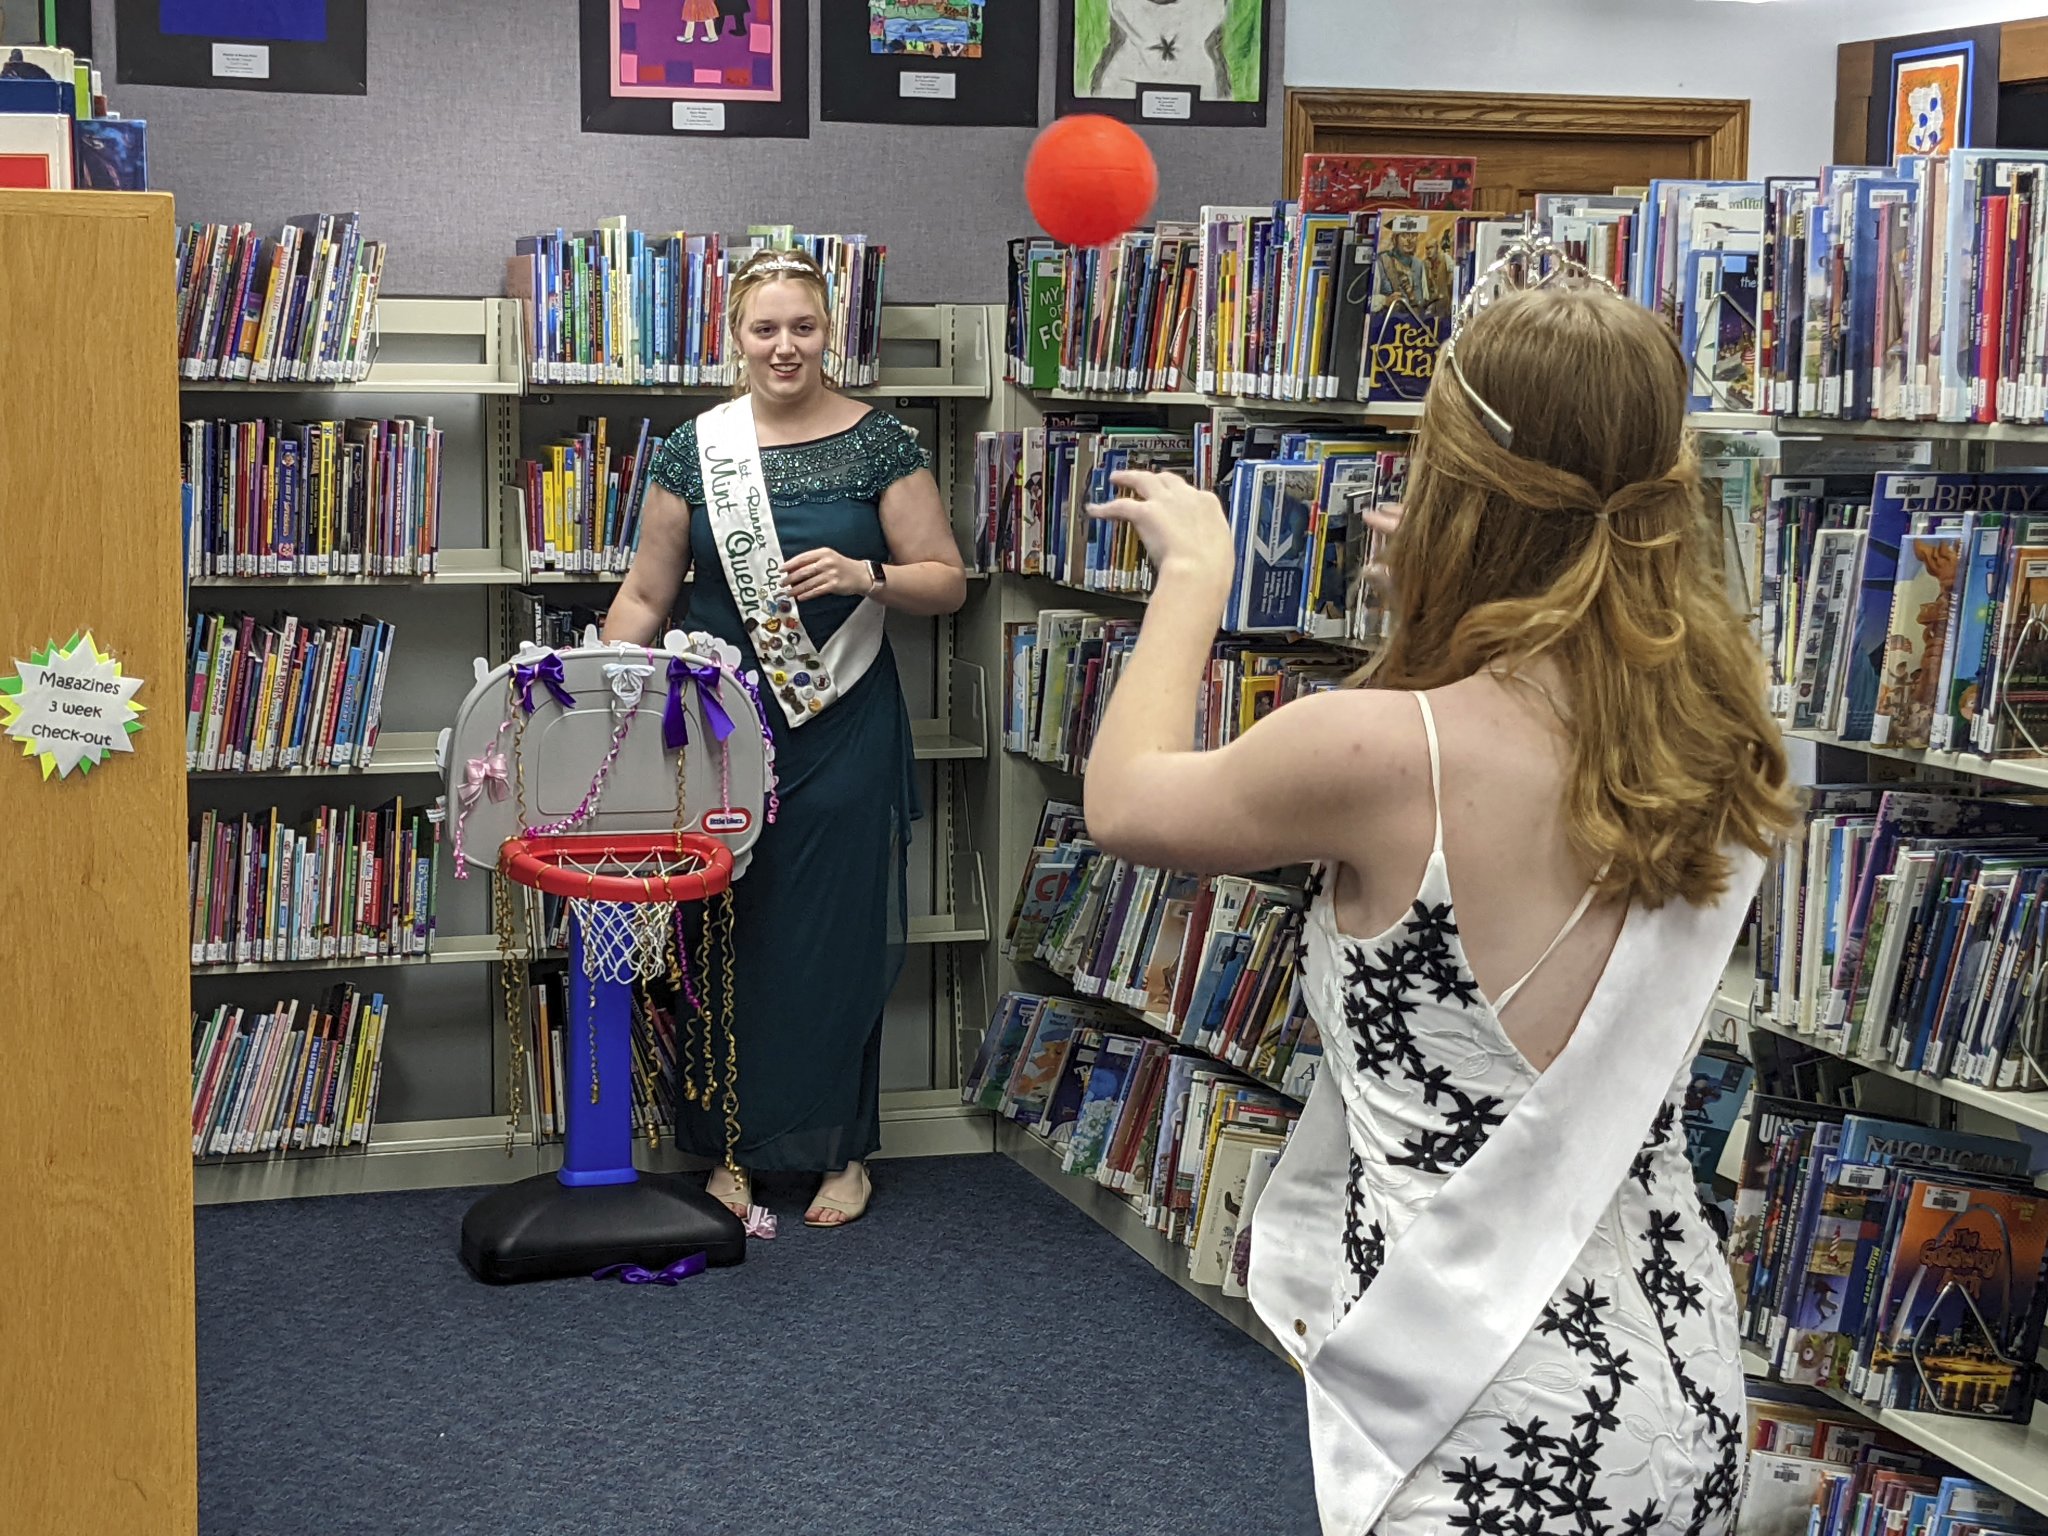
(1717, 129)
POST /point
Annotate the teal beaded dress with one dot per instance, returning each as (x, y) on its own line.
(819, 913)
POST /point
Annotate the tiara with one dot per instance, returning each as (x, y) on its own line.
(1527, 262)
(782, 264)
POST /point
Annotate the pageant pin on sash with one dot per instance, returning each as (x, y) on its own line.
(1465, 1284)
(806, 678)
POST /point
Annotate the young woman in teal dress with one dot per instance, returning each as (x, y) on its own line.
(819, 912)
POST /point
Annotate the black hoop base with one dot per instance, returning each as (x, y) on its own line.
(543, 1229)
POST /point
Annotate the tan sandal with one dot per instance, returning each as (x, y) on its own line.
(741, 1203)
(848, 1214)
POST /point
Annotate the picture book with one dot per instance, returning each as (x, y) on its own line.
(1356, 183)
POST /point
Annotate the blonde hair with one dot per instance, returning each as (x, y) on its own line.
(1589, 543)
(761, 269)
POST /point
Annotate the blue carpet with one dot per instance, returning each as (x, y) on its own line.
(973, 1356)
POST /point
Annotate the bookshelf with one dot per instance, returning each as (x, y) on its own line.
(2013, 1459)
(98, 1268)
(465, 354)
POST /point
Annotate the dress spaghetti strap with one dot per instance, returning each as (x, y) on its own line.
(1436, 791)
(1436, 777)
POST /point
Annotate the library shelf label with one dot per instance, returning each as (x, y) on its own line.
(70, 706)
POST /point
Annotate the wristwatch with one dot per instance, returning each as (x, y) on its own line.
(877, 573)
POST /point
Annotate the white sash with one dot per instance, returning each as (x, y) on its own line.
(1463, 1286)
(805, 678)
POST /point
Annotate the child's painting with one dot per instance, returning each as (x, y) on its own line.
(1195, 61)
(1931, 100)
(943, 63)
(938, 29)
(720, 67)
(697, 50)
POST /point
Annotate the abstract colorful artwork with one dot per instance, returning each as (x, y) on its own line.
(939, 29)
(697, 50)
(1931, 100)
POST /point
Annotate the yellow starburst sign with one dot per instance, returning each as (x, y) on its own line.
(70, 706)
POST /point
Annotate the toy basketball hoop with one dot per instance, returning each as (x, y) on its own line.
(629, 783)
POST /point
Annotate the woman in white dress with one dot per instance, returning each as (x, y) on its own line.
(1483, 1244)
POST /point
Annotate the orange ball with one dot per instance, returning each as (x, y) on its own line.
(1089, 179)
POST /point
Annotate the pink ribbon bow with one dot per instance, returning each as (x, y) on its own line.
(483, 775)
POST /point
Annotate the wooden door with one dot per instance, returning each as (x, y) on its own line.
(1526, 144)
(98, 1415)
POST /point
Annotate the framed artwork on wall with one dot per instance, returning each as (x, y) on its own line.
(1202, 62)
(735, 68)
(958, 63)
(1931, 99)
(1932, 92)
(297, 47)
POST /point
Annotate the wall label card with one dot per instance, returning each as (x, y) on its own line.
(1167, 106)
(924, 85)
(241, 61)
(698, 116)
(70, 707)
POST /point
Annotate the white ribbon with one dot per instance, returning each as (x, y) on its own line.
(628, 681)
(806, 678)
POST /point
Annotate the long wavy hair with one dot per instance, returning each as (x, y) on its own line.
(1589, 543)
(761, 269)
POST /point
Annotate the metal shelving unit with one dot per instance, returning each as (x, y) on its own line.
(935, 355)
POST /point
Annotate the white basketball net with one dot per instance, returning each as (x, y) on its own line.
(624, 940)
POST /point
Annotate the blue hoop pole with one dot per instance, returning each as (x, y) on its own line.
(598, 1141)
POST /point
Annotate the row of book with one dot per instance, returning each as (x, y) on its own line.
(296, 1077)
(1812, 1470)
(1897, 1263)
(56, 132)
(1909, 292)
(292, 693)
(346, 883)
(1296, 497)
(1189, 1144)
(1284, 301)
(1348, 292)
(356, 497)
(1910, 610)
(1907, 927)
(300, 307)
(621, 306)
(654, 1061)
(1060, 669)
(1209, 962)
(584, 496)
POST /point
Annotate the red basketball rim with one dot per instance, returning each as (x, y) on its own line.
(555, 865)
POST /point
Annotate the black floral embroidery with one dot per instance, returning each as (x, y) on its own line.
(1672, 1296)
(1365, 1243)
(1547, 1480)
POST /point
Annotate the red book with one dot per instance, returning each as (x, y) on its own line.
(1358, 183)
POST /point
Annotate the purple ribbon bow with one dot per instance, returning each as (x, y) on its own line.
(675, 725)
(549, 672)
(633, 1274)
